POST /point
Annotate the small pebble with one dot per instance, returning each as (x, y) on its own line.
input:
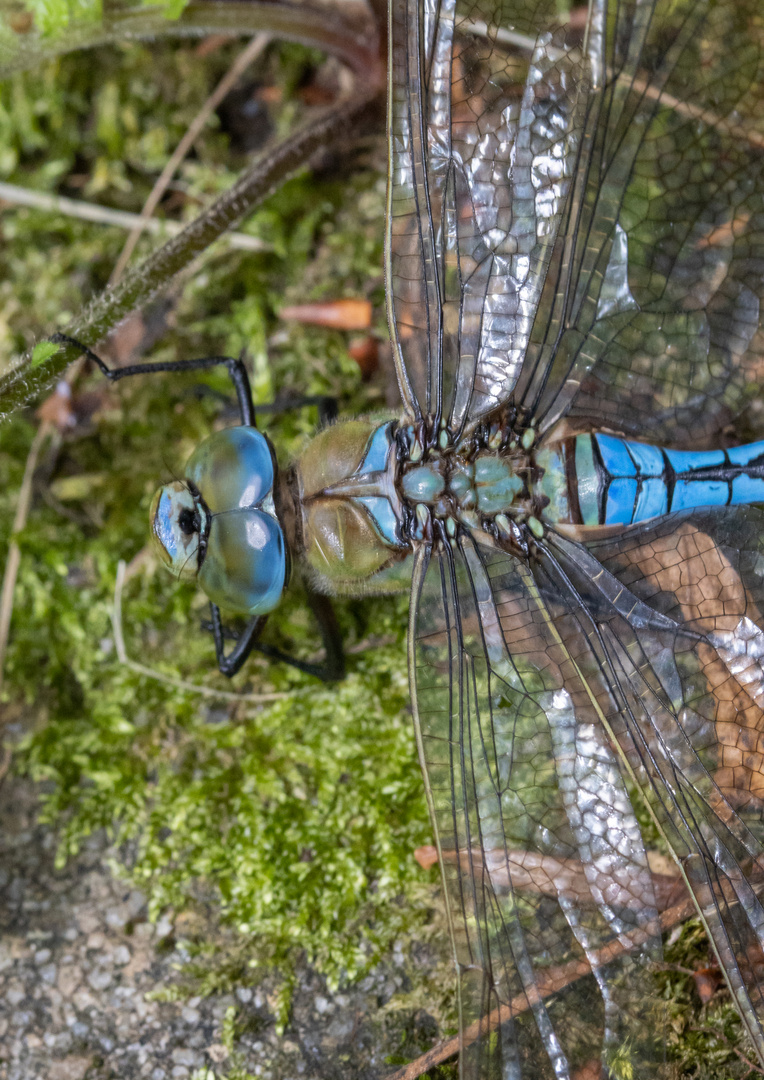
(244, 994)
(163, 928)
(182, 1056)
(121, 955)
(42, 956)
(99, 979)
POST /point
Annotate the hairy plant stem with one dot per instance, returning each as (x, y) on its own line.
(319, 27)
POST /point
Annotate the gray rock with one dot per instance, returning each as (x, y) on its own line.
(100, 979)
(182, 1056)
(121, 955)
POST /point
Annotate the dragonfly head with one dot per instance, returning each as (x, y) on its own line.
(178, 523)
(219, 524)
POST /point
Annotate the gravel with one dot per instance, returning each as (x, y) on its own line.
(80, 964)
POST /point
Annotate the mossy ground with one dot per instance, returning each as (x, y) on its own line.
(296, 818)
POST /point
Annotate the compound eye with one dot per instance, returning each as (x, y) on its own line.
(188, 520)
(175, 528)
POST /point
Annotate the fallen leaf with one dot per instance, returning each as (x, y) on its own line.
(426, 856)
(337, 314)
(707, 982)
(57, 408)
(365, 352)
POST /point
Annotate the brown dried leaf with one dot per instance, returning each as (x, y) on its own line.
(337, 314)
(426, 856)
(365, 352)
(707, 982)
(57, 408)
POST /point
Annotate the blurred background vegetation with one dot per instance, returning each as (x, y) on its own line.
(299, 817)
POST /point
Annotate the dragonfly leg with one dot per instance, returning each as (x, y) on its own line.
(236, 371)
(327, 406)
(331, 670)
(245, 642)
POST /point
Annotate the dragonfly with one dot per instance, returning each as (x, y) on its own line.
(572, 492)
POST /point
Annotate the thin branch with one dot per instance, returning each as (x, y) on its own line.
(169, 680)
(105, 215)
(150, 278)
(14, 554)
(550, 981)
(254, 49)
(312, 25)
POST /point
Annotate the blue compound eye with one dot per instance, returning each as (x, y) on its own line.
(232, 469)
(244, 569)
(177, 523)
(244, 562)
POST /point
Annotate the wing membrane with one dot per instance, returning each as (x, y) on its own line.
(552, 902)
(482, 150)
(544, 701)
(681, 711)
(659, 330)
(576, 224)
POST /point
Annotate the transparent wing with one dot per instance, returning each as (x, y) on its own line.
(654, 325)
(551, 899)
(576, 220)
(486, 104)
(552, 706)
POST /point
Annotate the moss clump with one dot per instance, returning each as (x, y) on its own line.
(297, 816)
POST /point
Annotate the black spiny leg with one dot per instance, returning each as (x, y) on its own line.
(236, 371)
(245, 642)
(331, 670)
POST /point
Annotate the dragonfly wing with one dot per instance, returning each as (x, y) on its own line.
(551, 901)
(652, 323)
(673, 621)
(486, 109)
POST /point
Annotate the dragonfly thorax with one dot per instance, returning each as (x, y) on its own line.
(471, 484)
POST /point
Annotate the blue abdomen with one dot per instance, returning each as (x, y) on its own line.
(613, 481)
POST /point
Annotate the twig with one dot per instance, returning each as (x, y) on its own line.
(20, 381)
(550, 981)
(105, 215)
(151, 673)
(14, 553)
(714, 1034)
(256, 46)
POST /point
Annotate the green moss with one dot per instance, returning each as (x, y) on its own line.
(298, 817)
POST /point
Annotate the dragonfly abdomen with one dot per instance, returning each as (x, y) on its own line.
(614, 481)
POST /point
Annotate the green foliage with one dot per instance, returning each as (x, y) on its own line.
(43, 351)
(297, 816)
(53, 18)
